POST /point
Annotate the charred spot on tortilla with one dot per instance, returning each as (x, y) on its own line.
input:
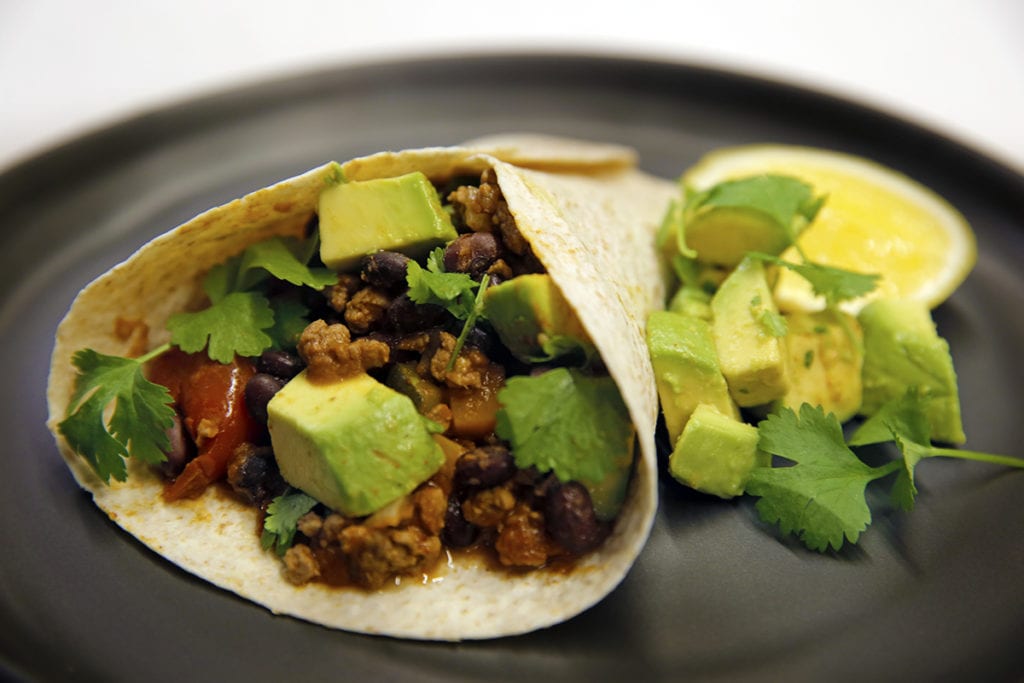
(381, 424)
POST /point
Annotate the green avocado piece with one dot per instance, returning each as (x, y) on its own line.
(723, 235)
(824, 359)
(763, 213)
(401, 214)
(692, 302)
(355, 445)
(686, 368)
(716, 453)
(903, 350)
(749, 333)
(403, 378)
(533, 319)
(608, 494)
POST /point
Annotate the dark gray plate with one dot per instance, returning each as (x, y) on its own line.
(935, 594)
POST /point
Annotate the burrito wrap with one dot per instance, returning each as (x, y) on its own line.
(590, 224)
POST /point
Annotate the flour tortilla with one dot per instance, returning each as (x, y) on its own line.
(591, 224)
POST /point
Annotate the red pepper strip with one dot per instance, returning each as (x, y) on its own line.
(213, 398)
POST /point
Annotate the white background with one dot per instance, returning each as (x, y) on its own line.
(70, 66)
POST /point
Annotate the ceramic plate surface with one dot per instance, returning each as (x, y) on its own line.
(934, 594)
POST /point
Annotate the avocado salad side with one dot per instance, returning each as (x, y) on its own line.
(380, 395)
(755, 399)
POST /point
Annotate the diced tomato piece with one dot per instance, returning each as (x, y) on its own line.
(211, 398)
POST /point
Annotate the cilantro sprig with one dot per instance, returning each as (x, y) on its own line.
(241, 320)
(236, 324)
(821, 498)
(281, 522)
(138, 425)
(787, 201)
(458, 293)
(834, 284)
(904, 421)
(455, 292)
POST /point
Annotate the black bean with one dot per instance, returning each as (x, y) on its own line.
(386, 270)
(403, 315)
(457, 532)
(280, 364)
(478, 338)
(258, 392)
(484, 467)
(180, 451)
(570, 518)
(253, 473)
(472, 253)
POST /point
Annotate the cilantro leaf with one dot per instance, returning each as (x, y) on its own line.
(242, 321)
(786, 201)
(138, 424)
(435, 260)
(282, 259)
(566, 422)
(460, 294)
(821, 497)
(222, 279)
(906, 414)
(834, 284)
(237, 322)
(281, 522)
(291, 317)
(233, 325)
(454, 291)
(904, 420)
(279, 260)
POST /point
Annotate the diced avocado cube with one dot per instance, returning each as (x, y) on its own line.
(763, 213)
(401, 214)
(745, 326)
(355, 445)
(716, 453)
(533, 319)
(903, 350)
(724, 234)
(686, 368)
(824, 358)
(692, 302)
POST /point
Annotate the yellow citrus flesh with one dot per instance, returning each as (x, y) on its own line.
(875, 220)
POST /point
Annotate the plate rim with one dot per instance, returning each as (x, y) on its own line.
(27, 175)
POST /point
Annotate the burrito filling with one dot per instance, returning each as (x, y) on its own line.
(439, 396)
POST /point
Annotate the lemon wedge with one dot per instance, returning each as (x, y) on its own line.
(875, 220)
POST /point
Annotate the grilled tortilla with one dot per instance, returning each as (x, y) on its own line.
(589, 216)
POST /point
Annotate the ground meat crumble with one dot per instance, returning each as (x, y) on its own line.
(331, 354)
